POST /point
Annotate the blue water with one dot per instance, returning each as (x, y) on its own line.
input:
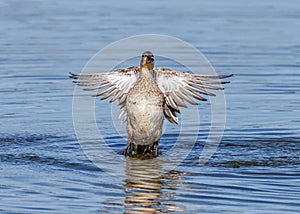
(256, 168)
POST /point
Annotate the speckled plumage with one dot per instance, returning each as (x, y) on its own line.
(144, 106)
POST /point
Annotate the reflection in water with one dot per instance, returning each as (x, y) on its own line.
(146, 186)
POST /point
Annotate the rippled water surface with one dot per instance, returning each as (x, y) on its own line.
(256, 168)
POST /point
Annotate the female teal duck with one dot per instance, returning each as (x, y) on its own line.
(147, 95)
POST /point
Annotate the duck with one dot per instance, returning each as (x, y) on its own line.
(147, 96)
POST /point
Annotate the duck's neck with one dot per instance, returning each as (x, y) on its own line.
(146, 73)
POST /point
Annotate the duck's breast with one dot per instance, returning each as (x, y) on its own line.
(144, 106)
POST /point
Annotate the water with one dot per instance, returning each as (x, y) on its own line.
(256, 167)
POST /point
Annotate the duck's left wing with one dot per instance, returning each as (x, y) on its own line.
(179, 87)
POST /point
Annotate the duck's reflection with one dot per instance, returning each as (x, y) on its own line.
(144, 185)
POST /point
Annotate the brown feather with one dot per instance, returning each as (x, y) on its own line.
(103, 91)
(109, 94)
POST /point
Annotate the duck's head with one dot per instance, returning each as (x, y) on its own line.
(147, 60)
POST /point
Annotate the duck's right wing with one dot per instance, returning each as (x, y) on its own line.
(116, 83)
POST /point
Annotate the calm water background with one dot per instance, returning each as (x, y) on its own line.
(256, 167)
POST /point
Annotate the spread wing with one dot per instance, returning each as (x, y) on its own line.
(179, 87)
(116, 84)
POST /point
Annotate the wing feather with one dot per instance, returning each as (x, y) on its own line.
(116, 96)
(178, 100)
(113, 91)
(181, 87)
(97, 87)
(171, 102)
(186, 96)
(116, 84)
(110, 88)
